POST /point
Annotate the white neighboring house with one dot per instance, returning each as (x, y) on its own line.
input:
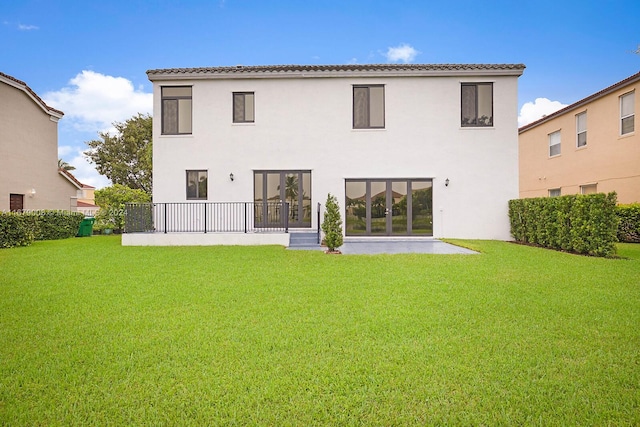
(408, 150)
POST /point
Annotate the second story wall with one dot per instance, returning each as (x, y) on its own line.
(583, 148)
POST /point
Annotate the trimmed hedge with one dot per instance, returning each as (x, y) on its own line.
(21, 229)
(15, 230)
(629, 226)
(584, 224)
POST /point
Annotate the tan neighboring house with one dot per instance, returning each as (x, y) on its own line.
(590, 146)
(85, 197)
(29, 175)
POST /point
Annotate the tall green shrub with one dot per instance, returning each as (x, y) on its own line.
(585, 224)
(629, 223)
(15, 230)
(332, 224)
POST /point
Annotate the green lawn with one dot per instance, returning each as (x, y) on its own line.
(95, 333)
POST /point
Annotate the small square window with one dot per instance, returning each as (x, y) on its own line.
(581, 130)
(243, 107)
(477, 105)
(368, 107)
(627, 113)
(554, 144)
(197, 185)
(589, 189)
(554, 192)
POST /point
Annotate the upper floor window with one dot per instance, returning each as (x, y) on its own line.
(176, 110)
(554, 192)
(197, 185)
(477, 104)
(627, 113)
(554, 144)
(581, 129)
(368, 107)
(243, 107)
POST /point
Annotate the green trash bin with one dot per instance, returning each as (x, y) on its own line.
(86, 227)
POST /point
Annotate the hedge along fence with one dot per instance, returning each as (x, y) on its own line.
(21, 229)
(584, 224)
(629, 223)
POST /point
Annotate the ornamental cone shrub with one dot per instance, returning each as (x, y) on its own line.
(332, 224)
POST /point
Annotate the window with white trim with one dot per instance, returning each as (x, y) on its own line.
(589, 189)
(554, 144)
(554, 192)
(627, 113)
(581, 129)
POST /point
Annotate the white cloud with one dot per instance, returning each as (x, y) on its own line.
(64, 150)
(532, 111)
(24, 27)
(404, 53)
(93, 101)
(85, 172)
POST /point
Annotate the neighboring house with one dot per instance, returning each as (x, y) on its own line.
(590, 146)
(85, 198)
(29, 174)
(409, 150)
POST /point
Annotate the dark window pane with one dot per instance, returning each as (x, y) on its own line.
(169, 116)
(468, 105)
(360, 107)
(627, 125)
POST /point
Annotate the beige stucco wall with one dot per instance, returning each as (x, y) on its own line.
(29, 153)
(609, 160)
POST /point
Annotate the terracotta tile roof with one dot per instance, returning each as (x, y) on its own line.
(340, 69)
(26, 88)
(629, 80)
(71, 178)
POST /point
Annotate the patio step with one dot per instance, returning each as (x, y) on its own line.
(304, 240)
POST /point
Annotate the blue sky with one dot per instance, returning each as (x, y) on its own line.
(89, 58)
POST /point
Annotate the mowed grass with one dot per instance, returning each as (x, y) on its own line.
(93, 333)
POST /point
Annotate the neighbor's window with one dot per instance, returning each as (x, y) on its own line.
(554, 192)
(176, 110)
(243, 107)
(368, 107)
(589, 189)
(477, 104)
(627, 113)
(581, 129)
(197, 185)
(554, 144)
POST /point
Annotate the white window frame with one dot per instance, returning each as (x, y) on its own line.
(581, 131)
(584, 187)
(627, 114)
(555, 192)
(553, 144)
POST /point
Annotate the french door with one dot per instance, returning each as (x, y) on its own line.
(272, 188)
(388, 207)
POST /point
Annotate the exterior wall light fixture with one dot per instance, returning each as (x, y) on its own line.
(32, 192)
(446, 182)
(231, 176)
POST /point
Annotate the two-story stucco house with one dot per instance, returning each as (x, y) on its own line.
(29, 175)
(590, 146)
(408, 150)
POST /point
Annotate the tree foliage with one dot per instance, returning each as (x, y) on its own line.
(112, 202)
(332, 224)
(64, 165)
(125, 158)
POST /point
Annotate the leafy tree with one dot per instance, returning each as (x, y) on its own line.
(64, 165)
(112, 204)
(125, 158)
(332, 224)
